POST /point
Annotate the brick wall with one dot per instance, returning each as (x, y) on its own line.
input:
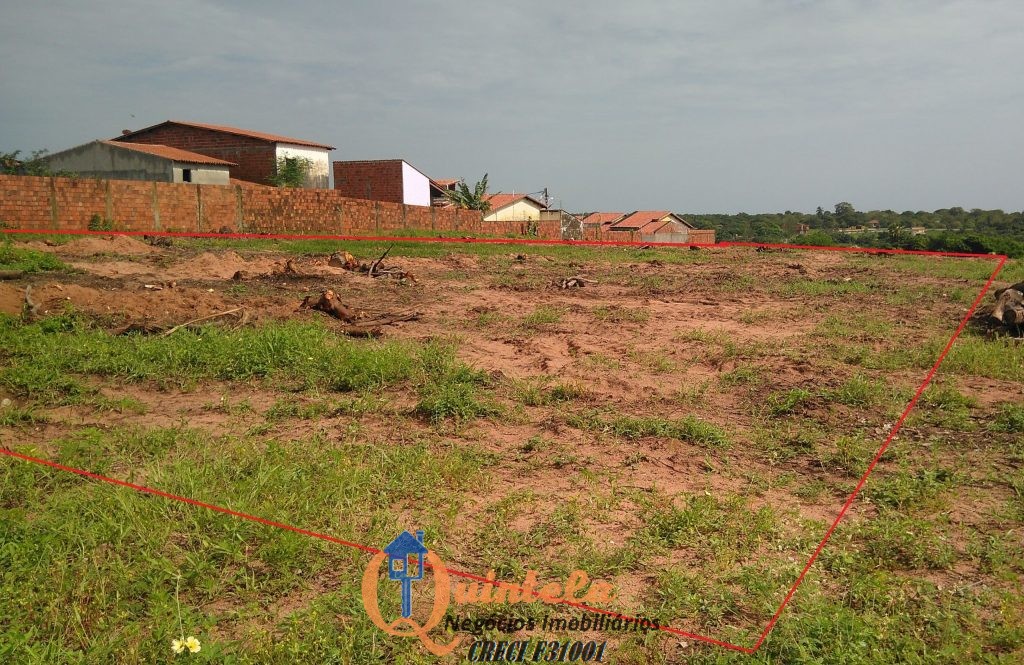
(696, 236)
(28, 202)
(380, 180)
(256, 159)
(69, 203)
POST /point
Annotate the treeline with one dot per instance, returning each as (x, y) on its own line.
(947, 229)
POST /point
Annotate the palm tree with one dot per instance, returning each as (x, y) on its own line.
(471, 199)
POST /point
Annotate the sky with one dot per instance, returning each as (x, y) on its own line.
(700, 107)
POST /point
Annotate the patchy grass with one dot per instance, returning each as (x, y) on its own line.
(617, 314)
(704, 524)
(688, 429)
(27, 260)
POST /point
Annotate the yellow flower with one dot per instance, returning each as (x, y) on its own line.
(193, 644)
(177, 646)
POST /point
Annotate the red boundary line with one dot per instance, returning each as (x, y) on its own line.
(515, 241)
(492, 241)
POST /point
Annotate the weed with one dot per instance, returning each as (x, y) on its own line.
(861, 392)
(851, 454)
(543, 315)
(785, 403)
(906, 489)
(98, 223)
(688, 429)
(284, 409)
(1009, 419)
(15, 416)
(693, 394)
(745, 375)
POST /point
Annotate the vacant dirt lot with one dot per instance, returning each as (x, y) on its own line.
(687, 426)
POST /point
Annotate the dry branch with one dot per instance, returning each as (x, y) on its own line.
(201, 318)
(356, 324)
(31, 309)
(574, 282)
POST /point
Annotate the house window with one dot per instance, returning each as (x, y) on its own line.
(397, 565)
(413, 565)
(186, 175)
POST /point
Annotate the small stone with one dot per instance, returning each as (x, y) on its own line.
(5, 403)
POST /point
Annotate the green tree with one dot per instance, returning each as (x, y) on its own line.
(846, 215)
(291, 171)
(897, 234)
(470, 199)
(36, 164)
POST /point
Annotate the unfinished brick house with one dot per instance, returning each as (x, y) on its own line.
(391, 180)
(254, 154)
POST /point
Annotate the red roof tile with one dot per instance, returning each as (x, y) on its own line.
(500, 200)
(652, 226)
(446, 182)
(603, 217)
(167, 152)
(642, 218)
(273, 138)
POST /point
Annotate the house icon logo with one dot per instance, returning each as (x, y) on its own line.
(405, 564)
(407, 559)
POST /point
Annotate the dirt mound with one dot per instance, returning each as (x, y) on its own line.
(175, 305)
(94, 245)
(220, 265)
(11, 299)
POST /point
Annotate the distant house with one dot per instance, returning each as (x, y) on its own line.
(651, 222)
(439, 189)
(602, 220)
(140, 161)
(513, 208)
(661, 226)
(391, 180)
(254, 155)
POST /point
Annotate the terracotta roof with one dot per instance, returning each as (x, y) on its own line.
(642, 218)
(445, 182)
(652, 226)
(501, 200)
(603, 217)
(273, 138)
(167, 152)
